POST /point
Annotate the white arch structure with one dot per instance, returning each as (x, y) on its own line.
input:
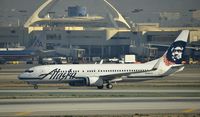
(35, 16)
(119, 18)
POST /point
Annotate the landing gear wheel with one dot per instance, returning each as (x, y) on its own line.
(100, 87)
(35, 86)
(109, 86)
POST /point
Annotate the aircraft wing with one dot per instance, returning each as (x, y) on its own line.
(113, 76)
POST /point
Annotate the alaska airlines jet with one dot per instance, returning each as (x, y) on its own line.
(101, 75)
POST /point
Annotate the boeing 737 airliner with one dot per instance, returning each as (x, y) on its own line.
(101, 75)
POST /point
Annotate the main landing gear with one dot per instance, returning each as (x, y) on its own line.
(100, 87)
(35, 86)
(108, 86)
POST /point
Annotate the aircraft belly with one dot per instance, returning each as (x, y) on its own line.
(135, 79)
(140, 78)
(47, 81)
(139, 75)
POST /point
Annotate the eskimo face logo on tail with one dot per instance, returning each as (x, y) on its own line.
(175, 53)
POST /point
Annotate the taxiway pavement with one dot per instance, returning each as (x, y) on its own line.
(98, 106)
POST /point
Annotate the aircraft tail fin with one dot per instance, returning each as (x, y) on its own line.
(175, 53)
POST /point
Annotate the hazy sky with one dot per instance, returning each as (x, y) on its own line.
(9, 9)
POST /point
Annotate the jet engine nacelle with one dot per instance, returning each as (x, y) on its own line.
(89, 81)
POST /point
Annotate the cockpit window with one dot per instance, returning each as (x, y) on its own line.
(28, 70)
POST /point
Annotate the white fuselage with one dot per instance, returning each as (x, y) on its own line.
(66, 73)
(99, 74)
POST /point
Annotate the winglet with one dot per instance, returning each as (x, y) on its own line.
(101, 62)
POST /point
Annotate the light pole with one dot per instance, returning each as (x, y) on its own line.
(1, 21)
(23, 12)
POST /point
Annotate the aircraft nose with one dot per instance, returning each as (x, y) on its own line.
(21, 76)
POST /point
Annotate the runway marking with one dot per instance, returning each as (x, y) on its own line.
(189, 110)
(22, 113)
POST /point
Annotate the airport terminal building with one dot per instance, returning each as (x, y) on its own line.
(108, 42)
(94, 36)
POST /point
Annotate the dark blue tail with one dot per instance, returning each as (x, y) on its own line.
(175, 53)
